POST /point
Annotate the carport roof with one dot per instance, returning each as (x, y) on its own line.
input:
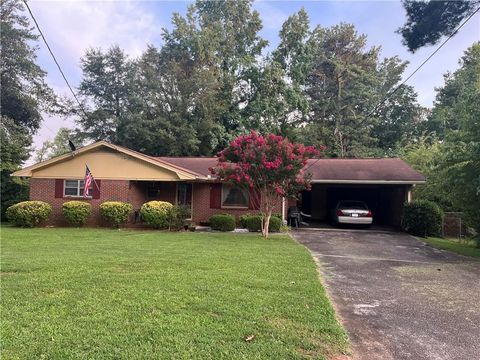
(363, 171)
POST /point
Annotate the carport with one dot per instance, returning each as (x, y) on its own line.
(383, 184)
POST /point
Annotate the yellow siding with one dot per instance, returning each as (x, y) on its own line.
(105, 164)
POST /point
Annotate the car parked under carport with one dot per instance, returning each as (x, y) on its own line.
(383, 184)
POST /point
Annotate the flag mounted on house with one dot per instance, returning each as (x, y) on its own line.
(87, 182)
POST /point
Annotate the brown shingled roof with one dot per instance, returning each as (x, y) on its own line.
(385, 169)
(198, 165)
(325, 170)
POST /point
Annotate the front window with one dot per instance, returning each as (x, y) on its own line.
(74, 188)
(234, 196)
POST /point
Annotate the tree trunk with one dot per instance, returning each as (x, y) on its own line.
(266, 224)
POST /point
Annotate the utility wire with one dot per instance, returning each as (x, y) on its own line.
(54, 58)
(390, 93)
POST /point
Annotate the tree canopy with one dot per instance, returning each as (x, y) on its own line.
(211, 81)
(428, 21)
(271, 166)
(23, 97)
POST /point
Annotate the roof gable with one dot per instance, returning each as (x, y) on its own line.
(106, 161)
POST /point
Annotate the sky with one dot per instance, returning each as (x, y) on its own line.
(71, 27)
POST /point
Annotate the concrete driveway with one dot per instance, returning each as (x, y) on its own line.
(397, 297)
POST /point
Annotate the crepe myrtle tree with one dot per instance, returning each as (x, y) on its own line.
(270, 166)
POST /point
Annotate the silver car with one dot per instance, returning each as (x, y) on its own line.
(352, 212)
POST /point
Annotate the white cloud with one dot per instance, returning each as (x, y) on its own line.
(71, 27)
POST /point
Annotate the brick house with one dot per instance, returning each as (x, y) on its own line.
(122, 174)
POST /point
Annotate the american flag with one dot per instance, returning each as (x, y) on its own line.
(87, 182)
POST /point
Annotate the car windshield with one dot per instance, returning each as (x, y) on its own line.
(355, 205)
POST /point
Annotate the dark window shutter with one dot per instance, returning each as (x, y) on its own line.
(253, 199)
(59, 188)
(97, 185)
(216, 196)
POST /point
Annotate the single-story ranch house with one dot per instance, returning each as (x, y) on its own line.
(122, 174)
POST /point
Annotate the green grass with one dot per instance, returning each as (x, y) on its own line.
(466, 247)
(120, 294)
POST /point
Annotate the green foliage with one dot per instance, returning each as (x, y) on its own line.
(428, 21)
(28, 213)
(24, 95)
(115, 212)
(222, 222)
(177, 217)
(59, 145)
(424, 156)
(184, 98)
(76, 212)
(107, 83)
(343, 80)
(422, 218)
(210, 83)
(156, 213)
(450, 158)
(253, 222)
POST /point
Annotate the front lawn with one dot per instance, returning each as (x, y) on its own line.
(466, 247)
(110, 294)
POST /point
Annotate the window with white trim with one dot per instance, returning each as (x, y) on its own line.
(234, 196)
(74, 188)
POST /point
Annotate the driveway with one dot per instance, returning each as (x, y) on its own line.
(397, 297)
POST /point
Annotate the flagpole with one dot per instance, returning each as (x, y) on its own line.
(93, 177)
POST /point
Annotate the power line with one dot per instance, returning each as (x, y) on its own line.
(54, 58)
(390, 93)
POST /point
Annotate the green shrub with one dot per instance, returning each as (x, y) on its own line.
(177, 217)
(254, 222)
(156, 213)
(422, 218)
(28, 213)
(76, 212)
(222, 222)
(115, 212)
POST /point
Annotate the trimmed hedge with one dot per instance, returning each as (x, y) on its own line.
(254, 222)
(422, 218)
(28, 213)
(156, 213)
(222, 222)
(115, 212)
(76, 212)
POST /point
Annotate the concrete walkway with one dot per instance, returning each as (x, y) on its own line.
(397, 297)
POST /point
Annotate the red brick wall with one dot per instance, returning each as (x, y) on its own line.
(110, 190)
(132, 192)
(201, 210)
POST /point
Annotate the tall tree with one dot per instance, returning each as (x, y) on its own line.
(23, 97)
(341, 81)
(279, 104)
(270, 166)
(428, 21)
(460, 160)
(59, 145)
(107, 85)
(217, 45)
(342, 88)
